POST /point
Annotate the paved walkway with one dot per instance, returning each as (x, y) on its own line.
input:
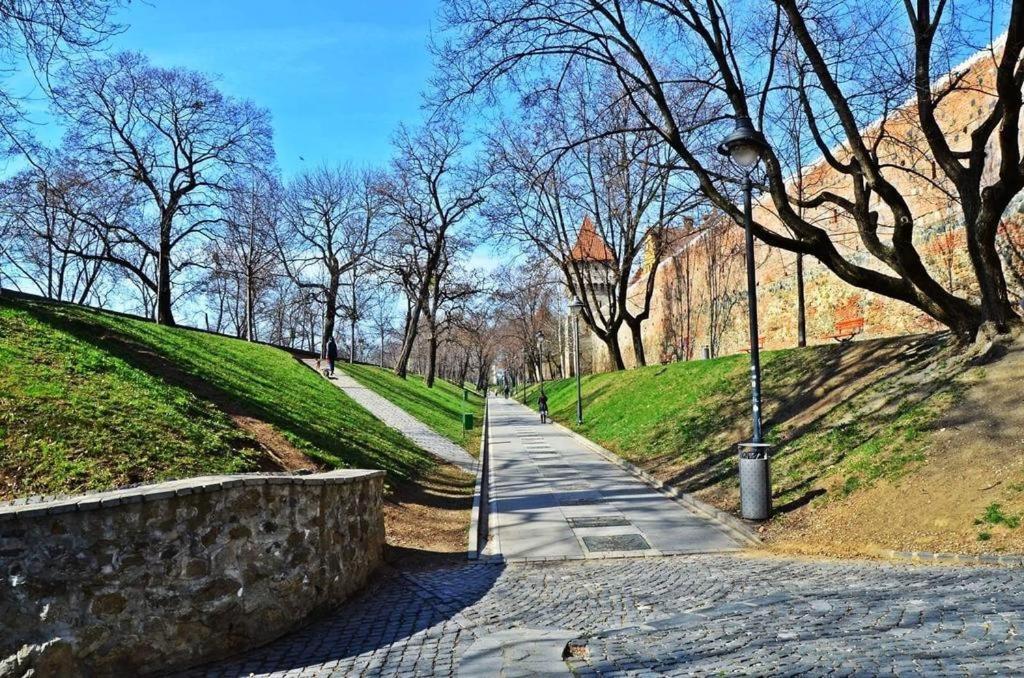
(403, 422)
(553, 497)
(682, 615)
(707, 614)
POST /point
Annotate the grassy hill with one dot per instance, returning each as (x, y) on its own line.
(441, 407)
(859, 430)
(92, 400)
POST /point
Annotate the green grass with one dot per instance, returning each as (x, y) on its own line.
(683, 420)
(995, 515)
(91, 400)
(441, 407)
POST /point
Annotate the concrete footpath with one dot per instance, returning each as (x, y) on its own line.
(554, 498)
(403, 422)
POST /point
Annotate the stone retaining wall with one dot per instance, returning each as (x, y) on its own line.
(170, 575)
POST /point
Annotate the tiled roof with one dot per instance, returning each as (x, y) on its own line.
(590, 246)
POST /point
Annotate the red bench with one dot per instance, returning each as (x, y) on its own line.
(848, 329)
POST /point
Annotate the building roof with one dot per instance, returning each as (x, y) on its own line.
(590, 246)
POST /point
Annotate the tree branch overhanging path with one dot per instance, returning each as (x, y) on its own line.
(684, 68)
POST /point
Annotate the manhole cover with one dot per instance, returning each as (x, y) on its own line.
(617, 542)
(597, 521)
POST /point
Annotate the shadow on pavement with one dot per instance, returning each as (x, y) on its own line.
(410, 605)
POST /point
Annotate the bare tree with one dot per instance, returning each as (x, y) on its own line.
(332, 223)
(169, 140)
(381, 314)
(526, 302)
(46, 33)
(244, 260)
(43, 236)
(601, 210)
(430, 192)
(686, 67)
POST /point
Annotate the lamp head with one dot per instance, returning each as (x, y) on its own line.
(576, 306)
(744, 145)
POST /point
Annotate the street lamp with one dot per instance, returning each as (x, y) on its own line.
(745, 146)
(576, 307)
(540, 358)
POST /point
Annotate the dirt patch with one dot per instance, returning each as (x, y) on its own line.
(429, 518)
(967, 496)
(278, 453)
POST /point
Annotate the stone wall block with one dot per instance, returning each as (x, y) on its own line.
(166, 576)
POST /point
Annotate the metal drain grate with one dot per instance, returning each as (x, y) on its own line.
(617, 542)
(581, 501)
(598, 521)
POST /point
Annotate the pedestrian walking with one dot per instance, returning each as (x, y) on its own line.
(542, 405)
(332, 355)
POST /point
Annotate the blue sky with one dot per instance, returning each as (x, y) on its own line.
(337, 77)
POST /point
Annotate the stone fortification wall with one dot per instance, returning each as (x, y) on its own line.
(165, 576)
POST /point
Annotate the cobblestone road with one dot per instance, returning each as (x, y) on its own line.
(403, 422)
(706, 614)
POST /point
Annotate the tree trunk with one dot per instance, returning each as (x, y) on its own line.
(801, 313)
(352, 332)
(481, 376)
(636, 334)
(250, 322)
(330, 312)
(431, 357)
(412, 321)
(164, 316)
(614, 350)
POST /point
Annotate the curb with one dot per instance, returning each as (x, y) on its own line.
(635, 555)
(730, 523)
(482, 467)
(494, 539)
(928, 557)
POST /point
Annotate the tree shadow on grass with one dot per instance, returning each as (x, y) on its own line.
(354, 432)
(800, 401)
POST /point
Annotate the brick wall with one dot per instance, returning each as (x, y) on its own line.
(700, 291)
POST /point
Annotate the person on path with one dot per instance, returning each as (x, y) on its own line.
(542, 405)
(332, 355)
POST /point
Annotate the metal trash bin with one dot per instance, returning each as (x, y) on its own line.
(467, 421)
(755, 481)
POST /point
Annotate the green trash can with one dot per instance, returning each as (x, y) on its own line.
(467, 421)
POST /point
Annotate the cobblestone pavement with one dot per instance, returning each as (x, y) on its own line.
(403, 422)
(702, 614)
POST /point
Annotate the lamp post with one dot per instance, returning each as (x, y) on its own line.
(744, 146)
(576, 307)
(540, 358)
